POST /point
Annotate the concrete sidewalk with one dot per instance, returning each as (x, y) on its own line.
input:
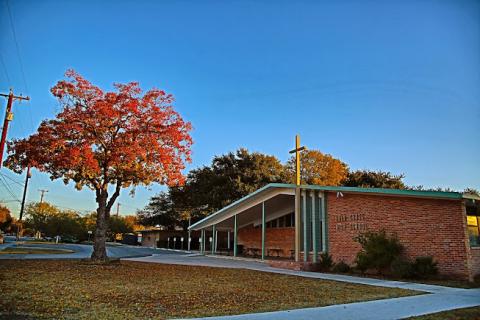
(438, 299)
(388, 309)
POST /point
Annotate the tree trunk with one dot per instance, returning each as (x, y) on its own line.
(99, 247)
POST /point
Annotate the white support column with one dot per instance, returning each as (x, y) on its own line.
(314, 210)
(306, 233)
(323, 202)
(298, 221)
(235, 234)
(263, 230)
(228, 241)
(212, 244)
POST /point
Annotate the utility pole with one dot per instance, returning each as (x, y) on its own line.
(42, 193)
(29, 175)
(118, 208)
(8, 118)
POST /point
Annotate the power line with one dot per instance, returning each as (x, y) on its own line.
(10, 184)
(8, 200)
(11, 179)
(17, 47)
(22, 69)
(5, 69)
(5, 185)
(9, 191)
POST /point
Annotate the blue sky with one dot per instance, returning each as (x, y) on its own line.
(389, 85)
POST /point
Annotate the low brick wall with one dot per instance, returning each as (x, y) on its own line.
(475, 256)
(275, 238)
(292, 265)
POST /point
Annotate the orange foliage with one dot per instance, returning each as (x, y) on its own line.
(319, 169)
(102, 138)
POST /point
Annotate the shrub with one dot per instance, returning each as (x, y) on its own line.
(361, 262)
(402, 268)
(378, 250)
(341, 267)
(325, 262)
(425, 267)
(476, 279)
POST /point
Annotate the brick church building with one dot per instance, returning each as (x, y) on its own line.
(298, 223)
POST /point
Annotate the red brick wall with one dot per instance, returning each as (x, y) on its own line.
(282, 238)
(475, 258)
(426, 227)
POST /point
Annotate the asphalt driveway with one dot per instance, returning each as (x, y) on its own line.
(81, 251)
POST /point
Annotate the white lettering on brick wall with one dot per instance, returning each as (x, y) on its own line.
(350, 222)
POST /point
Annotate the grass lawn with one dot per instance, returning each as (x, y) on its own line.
(30, 250)
(134, 290)
(459, 314)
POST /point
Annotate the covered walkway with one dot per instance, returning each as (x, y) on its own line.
(279, 220)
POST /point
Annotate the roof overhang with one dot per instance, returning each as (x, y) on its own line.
(263, 194)
(275, 189)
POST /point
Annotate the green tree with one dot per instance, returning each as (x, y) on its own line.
(119, 225)
(472, 191)
(210, 188)
(374, 179)
(317, 168)
(51, 221)
(160, 211)
(229, 178)
(38, 216)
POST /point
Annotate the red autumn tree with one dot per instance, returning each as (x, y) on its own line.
(107, 141)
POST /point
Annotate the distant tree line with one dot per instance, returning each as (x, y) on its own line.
(236, 174)
(50, 221)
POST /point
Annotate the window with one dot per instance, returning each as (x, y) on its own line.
(282, 222)
(289, 221)
(473, 222)
(473, 225)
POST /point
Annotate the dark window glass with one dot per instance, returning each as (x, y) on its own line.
(281, 222)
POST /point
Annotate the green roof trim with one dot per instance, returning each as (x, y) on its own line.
(398, 192)
(373, 191)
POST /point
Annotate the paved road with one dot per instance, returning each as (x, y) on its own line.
(436, 299)
(81, 251)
